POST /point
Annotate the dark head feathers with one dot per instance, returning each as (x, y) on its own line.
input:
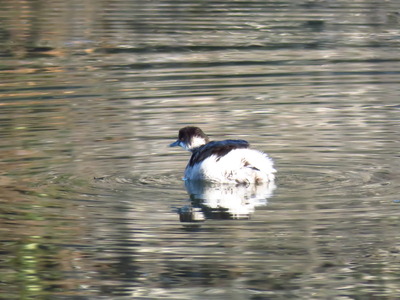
(186, 133)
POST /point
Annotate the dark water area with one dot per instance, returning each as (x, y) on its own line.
(92, 202)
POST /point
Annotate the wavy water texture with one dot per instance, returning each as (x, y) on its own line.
(92, 200)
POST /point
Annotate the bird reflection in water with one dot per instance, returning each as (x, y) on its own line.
(223, 201)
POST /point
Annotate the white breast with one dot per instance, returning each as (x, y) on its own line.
(238, 166)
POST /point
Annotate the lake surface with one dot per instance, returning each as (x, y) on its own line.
(92, 202)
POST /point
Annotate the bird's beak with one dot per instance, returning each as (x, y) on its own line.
(175, 144)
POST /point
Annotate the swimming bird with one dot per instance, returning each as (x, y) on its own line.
(228, 161)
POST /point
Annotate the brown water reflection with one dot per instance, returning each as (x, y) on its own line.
(92, 94)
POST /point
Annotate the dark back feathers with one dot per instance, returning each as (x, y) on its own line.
(218, 148)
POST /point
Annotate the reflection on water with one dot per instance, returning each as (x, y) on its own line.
(92, 92)
(223, 201)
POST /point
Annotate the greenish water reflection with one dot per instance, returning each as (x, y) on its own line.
(93, 93)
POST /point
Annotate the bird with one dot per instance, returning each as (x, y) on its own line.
(227, 161)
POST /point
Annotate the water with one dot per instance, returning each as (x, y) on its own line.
(92, 201)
